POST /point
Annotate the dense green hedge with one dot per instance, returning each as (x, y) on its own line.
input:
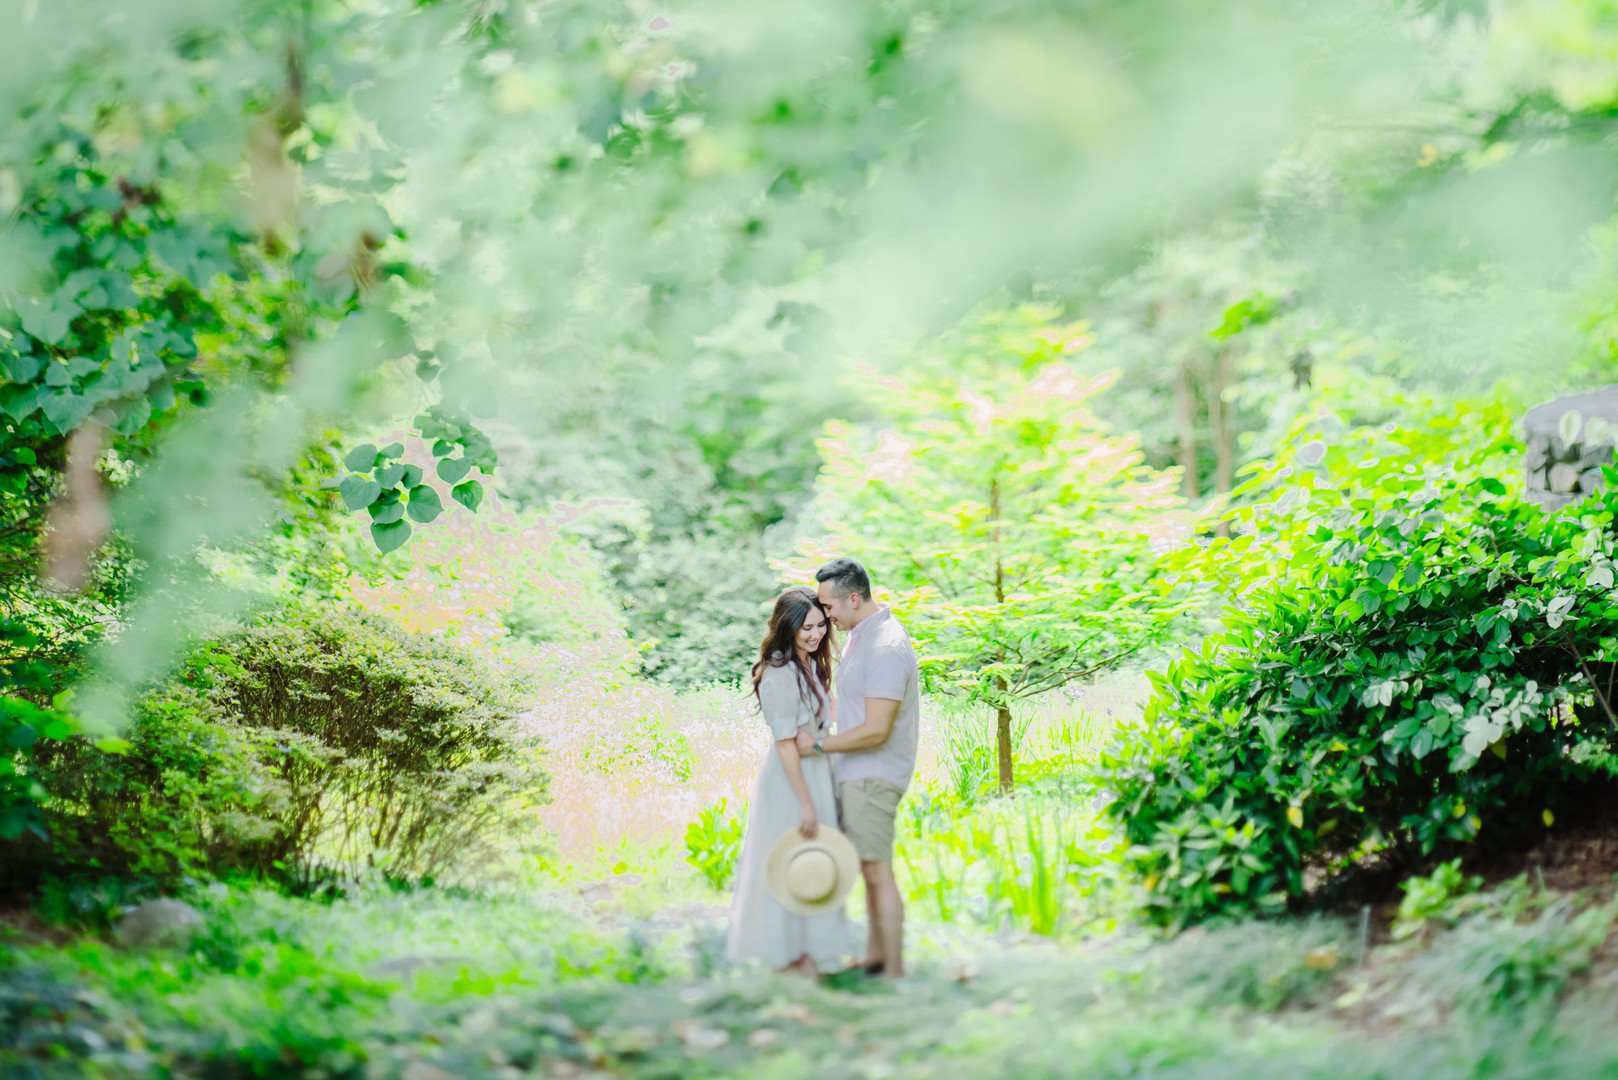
(311, 743)
(1413, 658)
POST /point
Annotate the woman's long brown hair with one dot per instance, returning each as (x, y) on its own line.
(780, 646)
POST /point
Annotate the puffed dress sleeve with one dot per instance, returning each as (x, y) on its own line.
(782, 702)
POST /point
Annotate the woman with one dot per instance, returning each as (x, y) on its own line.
(789, 682)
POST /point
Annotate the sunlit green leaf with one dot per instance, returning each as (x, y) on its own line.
(469, 494)
(390, 536)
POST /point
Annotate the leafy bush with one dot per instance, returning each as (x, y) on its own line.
(1413, 658)
(309, 743)
(1433, 896)
(23, 725)
(713, 842)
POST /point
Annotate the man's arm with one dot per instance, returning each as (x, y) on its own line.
(880, 713)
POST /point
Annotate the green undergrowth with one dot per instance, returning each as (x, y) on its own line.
(431, 983)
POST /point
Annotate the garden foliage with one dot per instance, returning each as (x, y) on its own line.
(307, 744)
(713, 842)
(1413, 658)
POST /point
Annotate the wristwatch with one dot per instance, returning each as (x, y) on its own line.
(820, 750)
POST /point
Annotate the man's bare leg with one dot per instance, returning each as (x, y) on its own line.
(886, 911)
(873, 921)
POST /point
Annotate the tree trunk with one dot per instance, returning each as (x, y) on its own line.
(1002, 742)
(1184, 416)
(1224, 463)
(1002, 734)
(1224, 460)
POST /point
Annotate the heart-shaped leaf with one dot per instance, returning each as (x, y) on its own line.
(453, 470)
(19, 401)
(161, 396)
(386, 513)
(390, 475)
(358, 492)
(412, 475)
(393, 449)
(20, 368)
(389, 537)
(425, 505)
(361, 458)
(469, 494)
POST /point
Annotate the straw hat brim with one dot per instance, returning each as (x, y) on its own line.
(789, 844)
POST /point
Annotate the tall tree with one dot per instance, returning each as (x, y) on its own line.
(1013, 532)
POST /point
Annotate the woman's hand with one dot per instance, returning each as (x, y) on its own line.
(808, 823)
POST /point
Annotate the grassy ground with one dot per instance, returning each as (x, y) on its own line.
(427, 985)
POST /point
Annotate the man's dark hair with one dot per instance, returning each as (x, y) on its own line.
(846, 576)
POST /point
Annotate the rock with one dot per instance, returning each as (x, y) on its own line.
(159, 924)
(1564, 478)
(1568, 440)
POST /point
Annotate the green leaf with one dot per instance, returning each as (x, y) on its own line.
(385, 513)
(389, 475)
(358, 492)
(425, 505)
(361, 459)
(57, 730)
(469, 494)
(21, 736)
(1492, 486)
(20, 368)
(391, 536)
(114, 746)
(48, 319)
(392, 450)
(453, 470)
(25, 456)
(19, 401)
(65, 409)
(412, 476)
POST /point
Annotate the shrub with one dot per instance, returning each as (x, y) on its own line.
(1440, 895)
(713, 842)
(309, 743)
(1413, 658)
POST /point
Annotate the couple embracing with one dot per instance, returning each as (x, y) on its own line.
(843, 756)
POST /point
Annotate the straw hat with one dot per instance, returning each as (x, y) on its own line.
(811, 876)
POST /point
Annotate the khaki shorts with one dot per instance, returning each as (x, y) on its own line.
(869, 807)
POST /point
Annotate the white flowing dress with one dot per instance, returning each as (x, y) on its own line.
(760, 928)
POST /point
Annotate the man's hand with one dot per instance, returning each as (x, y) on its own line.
(880, 714)
(806, 743)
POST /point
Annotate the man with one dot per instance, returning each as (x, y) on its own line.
(878, 724)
